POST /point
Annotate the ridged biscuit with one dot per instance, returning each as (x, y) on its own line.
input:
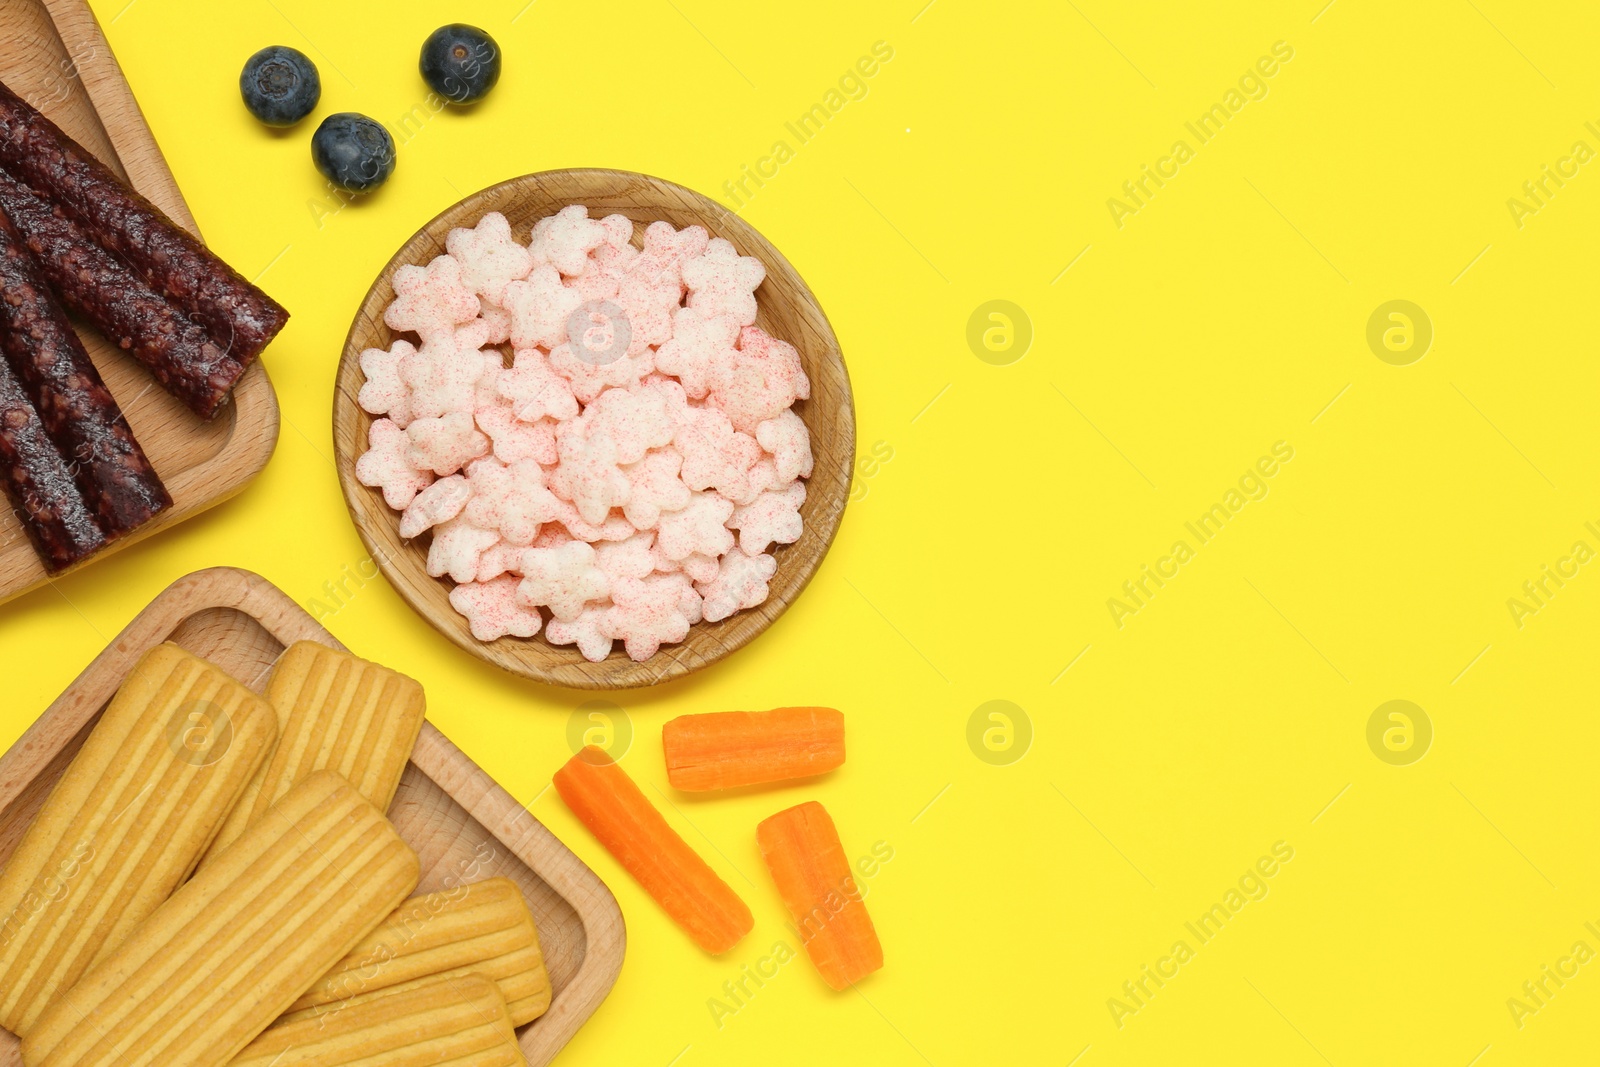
(226, 954)
(482, 928)
(459, 1021)
(126, 823)
(336, 713)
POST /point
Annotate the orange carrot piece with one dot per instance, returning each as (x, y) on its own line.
(802, 850)
(606, 800)
(724, 749)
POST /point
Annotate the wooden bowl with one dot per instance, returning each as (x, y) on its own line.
(788, 310)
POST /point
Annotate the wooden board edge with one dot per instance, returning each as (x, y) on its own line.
(529, 840)
(77, 704)
(110, 93)
(257, 421)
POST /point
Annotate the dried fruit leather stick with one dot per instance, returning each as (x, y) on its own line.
(184, 359)
(43, 493)
(172, 261)
(78, 411)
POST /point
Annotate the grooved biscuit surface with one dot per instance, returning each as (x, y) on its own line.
(483, 928)
(461, 1022)
(225, 955)
(338, 713)
(126, 823)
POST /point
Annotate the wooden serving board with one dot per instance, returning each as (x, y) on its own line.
(53, 54)
(464, 827)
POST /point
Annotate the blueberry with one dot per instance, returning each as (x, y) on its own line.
(461, 63)
(280, 86)
(353, 152)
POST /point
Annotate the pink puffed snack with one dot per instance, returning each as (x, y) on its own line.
(492, 610)
(586, 631)
(649, 302)
(699, 527)
(440, 377)
(649, 612)
(384, 393)
(652, 290)
(722, 282)
(588, 434)
(511, 500)
(715, 455)
(491, 327)
(666, 250)
(774, 516)
(654, 487)
(699, 568)
(440, 502)
(700, 343)
(431, 301)
(764, 379)
(635, 420)
(444, 445)
(384, 465)
(489, 257)
(457, 547)
(740, 583)
(616, 527)
(606, 266)
(567, 239)
(553, 536)
(588, 475)
(590, 378)
(513, 439)
(535, 391)
(562, 579)
(787, 440)
(540, 306)
(503, 558)
(633, 558)
(761, 476)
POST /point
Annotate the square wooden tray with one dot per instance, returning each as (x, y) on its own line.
(464, 827)
(53, 53)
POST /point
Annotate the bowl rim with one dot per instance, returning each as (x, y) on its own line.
(617, 671)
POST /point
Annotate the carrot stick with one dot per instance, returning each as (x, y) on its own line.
(802, 850)
(605, 799)
(731, 748)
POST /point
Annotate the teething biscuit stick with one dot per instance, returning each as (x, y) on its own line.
(458, 1021)
(483, 928)
(226, 954)
(125, 824)
(604, 799)
(337, 713)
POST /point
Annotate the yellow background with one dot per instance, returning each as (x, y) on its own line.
(1227, 314)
